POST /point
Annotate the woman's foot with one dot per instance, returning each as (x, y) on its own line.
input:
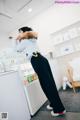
(58, 114)
(49, 107)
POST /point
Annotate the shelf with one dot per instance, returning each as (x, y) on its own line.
(77, 24)
(64, 42)
(56, 57)
(7, 72)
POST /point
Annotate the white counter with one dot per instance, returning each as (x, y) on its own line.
(12, 97)
(7, 72)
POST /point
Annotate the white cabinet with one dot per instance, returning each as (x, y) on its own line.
(12, 97)
(35, 96)
(66, 41)
(33, 91)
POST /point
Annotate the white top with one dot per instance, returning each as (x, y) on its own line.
(28, 46)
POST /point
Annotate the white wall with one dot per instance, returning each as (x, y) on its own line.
(53, 19)
(4, 41)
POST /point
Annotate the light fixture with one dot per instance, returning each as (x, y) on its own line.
(30, 10)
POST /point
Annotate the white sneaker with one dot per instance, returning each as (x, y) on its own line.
(58, 114)
(49, 107)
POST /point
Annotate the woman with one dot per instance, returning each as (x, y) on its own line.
(41, 66)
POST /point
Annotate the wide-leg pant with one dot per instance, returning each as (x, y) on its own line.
(42, 68)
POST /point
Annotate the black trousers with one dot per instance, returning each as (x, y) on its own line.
(42, 68)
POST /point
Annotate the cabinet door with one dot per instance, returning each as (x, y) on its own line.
(35, 96)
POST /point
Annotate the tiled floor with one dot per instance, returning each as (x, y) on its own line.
(68, 99)
(43, 115)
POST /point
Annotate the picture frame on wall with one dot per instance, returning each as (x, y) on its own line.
(66, 49)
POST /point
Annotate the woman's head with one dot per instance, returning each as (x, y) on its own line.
(27, 32)
(25, 29)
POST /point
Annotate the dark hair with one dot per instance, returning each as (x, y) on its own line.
(24, 29)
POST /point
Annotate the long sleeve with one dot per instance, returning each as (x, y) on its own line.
(20, 47)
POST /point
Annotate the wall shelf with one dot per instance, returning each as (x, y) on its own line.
(66, 41)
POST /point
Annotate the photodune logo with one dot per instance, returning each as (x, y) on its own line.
(3, 115)
(67, 1)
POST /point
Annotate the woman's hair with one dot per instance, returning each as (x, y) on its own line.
(28, 29)
(25, 29)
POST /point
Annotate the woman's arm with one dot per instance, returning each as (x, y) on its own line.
(27, 35)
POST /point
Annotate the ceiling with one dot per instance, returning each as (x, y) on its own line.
(15, 12)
